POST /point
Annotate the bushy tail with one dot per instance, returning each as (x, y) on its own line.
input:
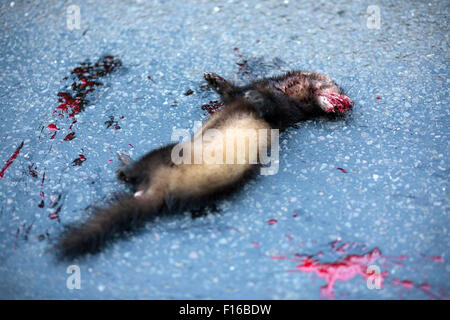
(91, 236)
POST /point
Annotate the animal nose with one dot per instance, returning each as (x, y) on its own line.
(338, 103)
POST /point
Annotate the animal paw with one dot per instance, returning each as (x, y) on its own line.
(215, 81)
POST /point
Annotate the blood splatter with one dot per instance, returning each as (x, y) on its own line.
(71, 125)
(79, 161)
(425, 286)
(42, 187)
(342, 170)
(212, 106)
(32, 171)
(437, 258)
(244, 69)
(54, 202)
(52, 127)
(73, 104)
(434, 258)
(279, 257)
(343, 248)
(11, 160)
(271, 221)
(84, 82)
(113, 123)
(342, 270)
(405, 284)
(70, 136)
(334, 243)
(378, 97)
(55, 215)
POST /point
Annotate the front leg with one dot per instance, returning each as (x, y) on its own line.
(223, 87)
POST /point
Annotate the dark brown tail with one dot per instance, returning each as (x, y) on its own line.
(91, 236)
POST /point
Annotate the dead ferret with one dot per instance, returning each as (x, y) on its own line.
(216, 161)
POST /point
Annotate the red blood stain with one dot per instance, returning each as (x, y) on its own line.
(113, 123)
(42, 186)
(378, 97)
(11, 160)
(70, 136)
(278, 257)
(244, 68)
(255, 244)
(340, 103)
(342, 270)
(55, 215)
(271, 221)
(425, 287)
(434, 258)
(212, 106)
(52, 127)
(353, 265)
(437, 258)
(85, 80)
(78, 161)
(55, 200)
(295, 214)
(69, 103)
(335, 242)
(342, 170)
(73, 122)
(343, 248)
(405, 284)
(32, 171)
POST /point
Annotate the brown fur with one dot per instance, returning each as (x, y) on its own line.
(164, 187)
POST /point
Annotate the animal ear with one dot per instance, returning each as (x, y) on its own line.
(124, 159)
